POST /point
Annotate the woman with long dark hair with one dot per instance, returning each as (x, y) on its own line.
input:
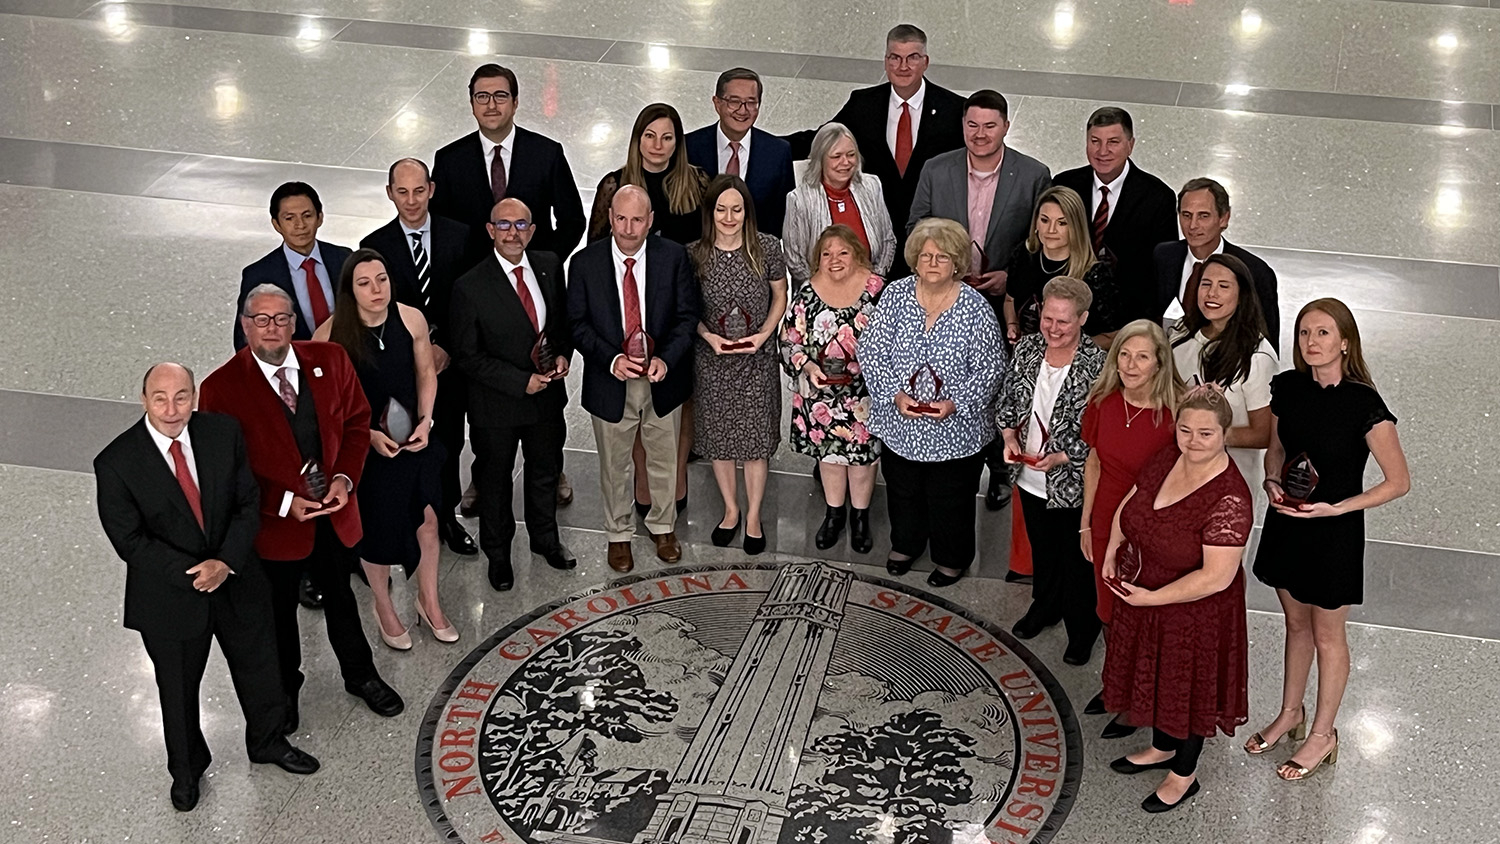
(657, 161)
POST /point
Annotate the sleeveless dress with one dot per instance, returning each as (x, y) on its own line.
(394, 491)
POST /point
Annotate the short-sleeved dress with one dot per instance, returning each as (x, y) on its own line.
(1251, 393)
(829, 423)
(737, 403)
(1321, 561)
(1124, 437)
(1181, 668)
(395, 491)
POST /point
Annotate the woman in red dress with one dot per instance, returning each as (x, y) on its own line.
(1128, 419)
(1177, 644)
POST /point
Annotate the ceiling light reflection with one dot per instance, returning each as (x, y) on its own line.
(228, 101)
(1447, 42)
(1250, 22)
(117, 22)
(406, 123)
(1448, 206)
(600, 133)
(479, 42)
(310, 30)
(1237, 89)
(1063, 22)
(659, 56)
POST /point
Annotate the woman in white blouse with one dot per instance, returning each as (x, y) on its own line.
(833, 190)
(1221, 339)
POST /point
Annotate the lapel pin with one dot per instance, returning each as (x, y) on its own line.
(317, 372)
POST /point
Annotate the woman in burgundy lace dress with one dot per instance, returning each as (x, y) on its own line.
(1176, 660)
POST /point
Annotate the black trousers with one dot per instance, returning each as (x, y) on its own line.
(541, 446)
(1188, 750)
(1062, 585)
(329, 569)
(248, 641)
(448, 411)
(932, 504)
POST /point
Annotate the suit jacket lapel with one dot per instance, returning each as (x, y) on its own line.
(959, 176)
(878, 113)
(609, 294)
(1004, 188)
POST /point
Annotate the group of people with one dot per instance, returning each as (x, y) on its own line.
(930, 301)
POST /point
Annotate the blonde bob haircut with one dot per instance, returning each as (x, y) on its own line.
(948, 236)
(1070, 290)
(1166, 385)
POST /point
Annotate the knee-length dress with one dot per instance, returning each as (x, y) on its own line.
(830, 423)
(1181, 668)
(737, 398)
(395, 491)
(1321, 561)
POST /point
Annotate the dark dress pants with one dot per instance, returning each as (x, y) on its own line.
(932, 504)
(329, 568)
(1062, 585)
(541, 446)
(248, 641)
(448, 426)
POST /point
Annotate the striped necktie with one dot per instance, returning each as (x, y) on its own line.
(424, 268)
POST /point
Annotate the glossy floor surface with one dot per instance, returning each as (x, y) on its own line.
(139, 141)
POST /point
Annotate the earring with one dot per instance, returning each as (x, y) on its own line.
(1346, 351)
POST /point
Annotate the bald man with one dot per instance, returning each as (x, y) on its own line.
(178, 502)
(629, 284)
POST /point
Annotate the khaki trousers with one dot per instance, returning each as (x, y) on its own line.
(615, 441)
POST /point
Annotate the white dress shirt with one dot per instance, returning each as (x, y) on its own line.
(639, 271)
(531, 283)
(893, 115)
(425, 230)
(294, 261)
(1114, 194)
(507, 146)
(294, 375)
(725, 151)
(1175, 310)
(164, 443)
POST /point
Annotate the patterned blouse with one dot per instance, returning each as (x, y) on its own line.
(965, 351)
(1065, 482)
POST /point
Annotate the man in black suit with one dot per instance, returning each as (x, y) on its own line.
(733, 145)
(622, 288)
(898, 126)
(305, 267)
(181, 508)
(1203, 214)
(510, 335)
(424, 254)
(502, 159)
(1130, 210)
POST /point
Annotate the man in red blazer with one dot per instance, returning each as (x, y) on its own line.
(304, 414)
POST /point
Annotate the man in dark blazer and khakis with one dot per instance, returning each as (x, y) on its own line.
(179, 504)
(503, 310)
(625, 286)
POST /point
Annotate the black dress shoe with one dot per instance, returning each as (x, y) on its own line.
(1078, 653)
(828, 532)
(458, 539)
(722, 536)
(1117, 729)
(309, 595)
(998, 495)
(642, 509)
(1155, 805)
(754, 544)
(1096, 705)
(184, 795)
(502, 577)
(295, 761)
(1017, 577)
(381, 698)
(899, 567)
(559, 559)
(1028, 627)
(859, 530)
(1123, 765)
(939, 579)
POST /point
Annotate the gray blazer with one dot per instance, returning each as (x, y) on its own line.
(807, 216)
(943, 191)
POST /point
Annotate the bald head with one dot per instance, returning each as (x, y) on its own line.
(410, 189)
(510, 228)
(630, 218)
(167, 395)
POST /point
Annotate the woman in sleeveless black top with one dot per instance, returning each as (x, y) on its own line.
(399, 494)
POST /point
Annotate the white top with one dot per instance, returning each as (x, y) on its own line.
(164, 442)
(724, 150)
(506, 146)
(1251, 393)
(1174, 310)
(531, 283)
(425, 230)
(294, 260)
(1049, 381)
(893, 115)
(1114, 194)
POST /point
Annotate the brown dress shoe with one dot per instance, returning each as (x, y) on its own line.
(667, 549)
(564, 490)
(620, 558)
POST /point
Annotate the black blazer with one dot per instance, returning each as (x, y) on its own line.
(1169, 258)
(769, 178)
(451, 256)
(672, 312)
(273, 269)
(492, 339)
(152, 528)
(538, 176)
(1145, 216)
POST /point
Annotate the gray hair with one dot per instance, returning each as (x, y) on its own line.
(827, 136)
(266, 290)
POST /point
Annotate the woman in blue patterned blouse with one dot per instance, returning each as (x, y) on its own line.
(934, 363)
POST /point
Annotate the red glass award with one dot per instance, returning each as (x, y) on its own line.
(926, 386)
(1127, 562)
(543, 356)
(834, 359)
(314, 485)
(639, 348)
(1298, 480)
(974, 277)
(734, 326)
(397, 423)
(1031, 459)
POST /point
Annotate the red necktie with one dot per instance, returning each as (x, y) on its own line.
(185, 480)
(733, 167)
(632, 300)
(288, 395)
(903, 139)
(497, 176)
(526, 301)
(1191, 288)
(315, 295)
(1101, 220)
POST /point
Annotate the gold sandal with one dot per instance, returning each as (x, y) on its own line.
(1258, 744)
(1293, 773)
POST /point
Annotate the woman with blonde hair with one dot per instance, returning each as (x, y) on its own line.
(834, 191)
(1060, 245)
(657, 162)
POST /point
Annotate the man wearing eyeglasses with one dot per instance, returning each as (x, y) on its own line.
(503, 160)
(502, 311)
(899, 125)
(733, 145)
(305, 267)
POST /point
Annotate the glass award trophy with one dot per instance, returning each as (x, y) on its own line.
(1031, 459)
(397, 423)
(836, 366)
(543, 356)
(314, 484)
(1298, 480)
(734, 326)
(980, 268)
(926, 387)
(639, 348)
(1127, 562)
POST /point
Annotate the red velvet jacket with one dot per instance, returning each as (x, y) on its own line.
(240, 389)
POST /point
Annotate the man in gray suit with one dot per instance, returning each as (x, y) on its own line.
(987, 188)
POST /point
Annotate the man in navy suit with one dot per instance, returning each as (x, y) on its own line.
(305, 267)
(735, 146)
(619, 288)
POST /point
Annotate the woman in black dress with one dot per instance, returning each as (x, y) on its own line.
(399, 494)
(1325, 412)
(1060, 245)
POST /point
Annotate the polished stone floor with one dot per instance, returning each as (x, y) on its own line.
(138, 142)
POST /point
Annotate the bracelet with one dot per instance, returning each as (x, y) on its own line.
(1086, 530)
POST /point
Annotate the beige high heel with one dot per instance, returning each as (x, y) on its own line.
(442, 634)
(400, 642)
(1294, 773)
(1258, 744)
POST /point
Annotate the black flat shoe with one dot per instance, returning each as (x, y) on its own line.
(899, 567)
(722, 536)
(381, 698)
(642, 509)
(184, 795)
(1123, 765)
(1095, 705)
(828, 532)
(1028, 627)
(1117, 729)
(502, 576)
(998, 495)
(458, 539)
(295, 761)
(559, 559)
(1078, 653)
(309, 595)
(754, 544)
(939, 579)
(859, 530)
(1155, 805)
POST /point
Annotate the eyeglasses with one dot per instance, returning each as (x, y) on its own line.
(484, 97)
(904, 61)
(737, 104)
(281, 320)
(936, 259)
(507, 225)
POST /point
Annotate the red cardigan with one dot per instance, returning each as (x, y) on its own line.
(240, 389)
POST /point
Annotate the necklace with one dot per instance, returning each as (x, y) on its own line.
(1131, 417)
(1061, 264)
(380, 338)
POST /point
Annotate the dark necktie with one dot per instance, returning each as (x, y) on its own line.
(185, 480)
(527, 302)
(288, 394)
(315, 296)
(1101, 220)
(497, 177)
(903, 139)
(632, 300)
(733, 167)
(1191, 288)
(424, 267)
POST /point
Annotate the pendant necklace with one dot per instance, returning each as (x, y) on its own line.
(1131, 418)
(380, 339)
